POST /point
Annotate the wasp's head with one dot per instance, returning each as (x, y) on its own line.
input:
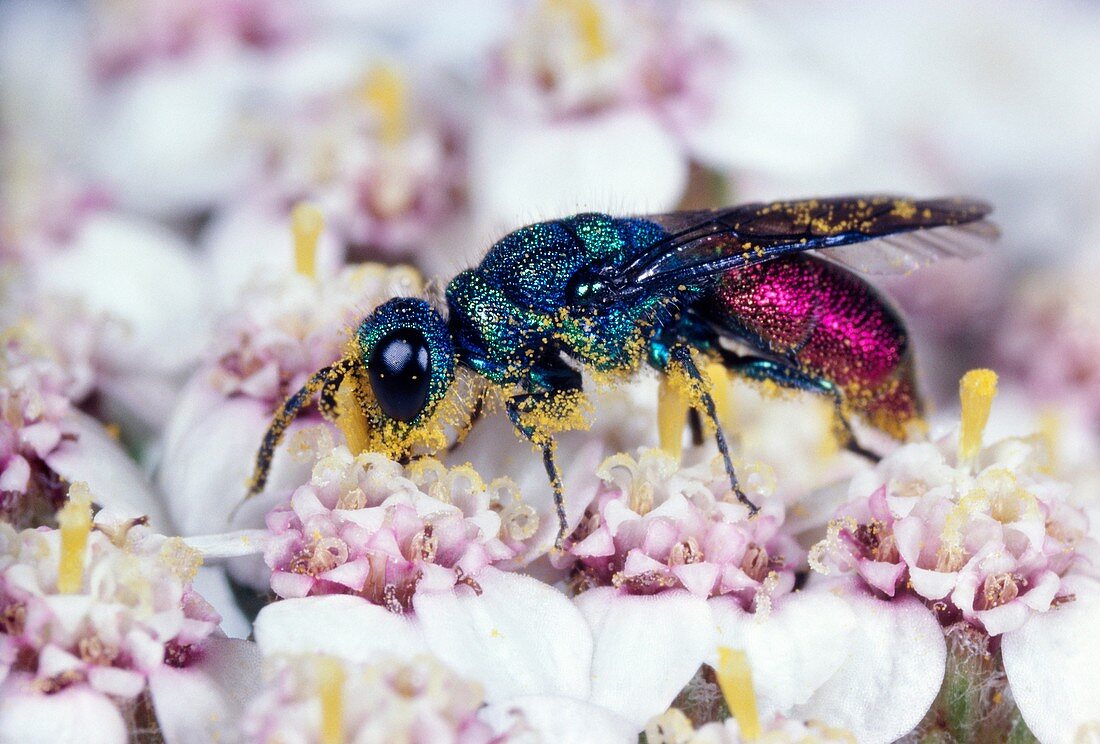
(408, 361)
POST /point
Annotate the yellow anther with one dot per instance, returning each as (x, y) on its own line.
(672, 410)
(350, 417)
(75, 520)
(976, 393)
(330, 688)
(589, 25)
(306, 223)
(383, 90)
(735, 679)
(719, 378)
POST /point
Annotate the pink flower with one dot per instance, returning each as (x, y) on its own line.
(989, 545)
(46, 442)
(654, 527)
(415, 700)
(1050, 340)
(361, 526)
(80, 653)
(283, 330)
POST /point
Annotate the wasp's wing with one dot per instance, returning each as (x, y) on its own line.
(873, 234)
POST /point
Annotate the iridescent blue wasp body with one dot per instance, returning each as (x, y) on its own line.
(608, 295)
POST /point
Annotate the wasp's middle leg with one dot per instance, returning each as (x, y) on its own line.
(761, 369)
(681, 355)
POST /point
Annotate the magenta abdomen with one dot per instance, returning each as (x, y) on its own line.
(831, 324)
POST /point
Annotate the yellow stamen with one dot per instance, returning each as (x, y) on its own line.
(588, 22)
(384, 91)
(75, 520)
(330, 688)
(306, 223)
(719, 378)
(976, 393)
(735, 679)
(672, 409)
(1050, 433)
(350, 417)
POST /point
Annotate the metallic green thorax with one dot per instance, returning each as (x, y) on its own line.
(518, 306)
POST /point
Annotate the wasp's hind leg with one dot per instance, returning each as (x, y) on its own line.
(680, 354)
(760, 369)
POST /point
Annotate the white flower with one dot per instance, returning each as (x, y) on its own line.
(309, 698)
(95, 617)
(46, 442)
(283, 331)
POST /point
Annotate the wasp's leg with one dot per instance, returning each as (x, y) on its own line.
(514, 406)
(325, 380)
(760, 369)
(681, 354)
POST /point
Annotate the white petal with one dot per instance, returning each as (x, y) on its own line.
(143, 275)
(170, 138)
(1053, 666)
(228, 544)
(636, 678)
(203, 701)
(519, 637)
(115, 480)
(892, 673)
(77, 715)
(251, 239)
(208, 461)
(344, 626)
(793, 650)
(754, 122)
(622, 162)
(562, 719)
(213, 585)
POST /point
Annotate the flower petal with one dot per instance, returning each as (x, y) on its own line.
(793, 650)
(203, 701)
(518, 637)
(636, 679)
(349, 627)
(622, 162)
(228, 544)
(1053, 666)
(562, 719)
(115, 480)
(76, 715)
(213, 585)
(891, 674)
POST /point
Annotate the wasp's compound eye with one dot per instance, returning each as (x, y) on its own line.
(400, 372)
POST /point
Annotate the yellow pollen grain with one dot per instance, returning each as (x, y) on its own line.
(589, 25)
(306, 224)
(384, 91)
(976, 392)
(672, 410)
(330, 688)
(75, 520)
(350, 417)
(735, 679)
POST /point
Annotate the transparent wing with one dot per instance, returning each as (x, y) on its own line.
(874, 234)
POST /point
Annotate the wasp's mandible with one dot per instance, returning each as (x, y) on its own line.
(766, 289)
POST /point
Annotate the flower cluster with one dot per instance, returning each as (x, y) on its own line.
(654, 525)
(107, 612)
(314, 698)
(285, 329)
(363, 525)
(987, 539)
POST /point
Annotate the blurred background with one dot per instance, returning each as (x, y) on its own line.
(187, 130)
